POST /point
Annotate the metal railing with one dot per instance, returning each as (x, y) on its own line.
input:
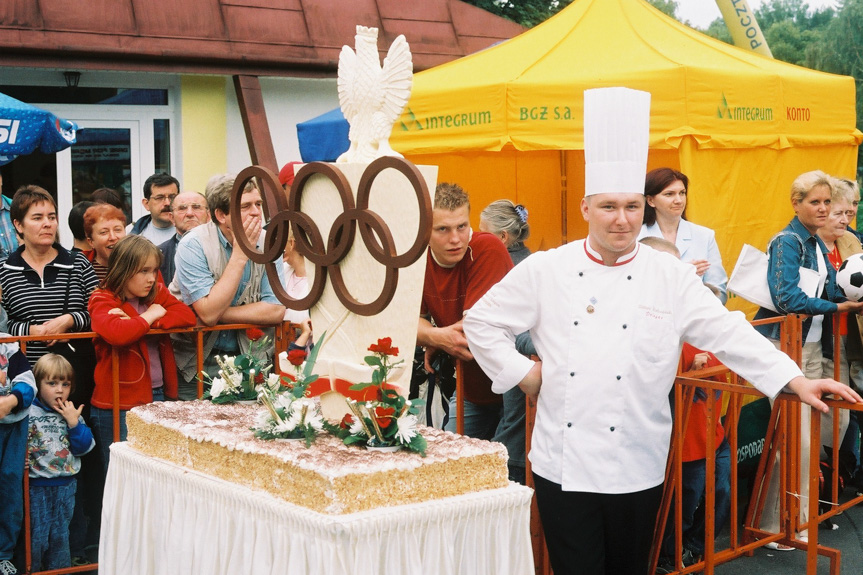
(782, 437)
(283, 336)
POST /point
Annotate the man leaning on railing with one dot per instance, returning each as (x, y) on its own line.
(220, 283)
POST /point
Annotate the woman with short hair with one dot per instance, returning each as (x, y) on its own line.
(45, 287)
(104, 226)
(799, 245)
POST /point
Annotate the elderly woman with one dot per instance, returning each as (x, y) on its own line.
(104, 226)
(841, 244)
(507, 221)
(665, 193)
(45, 287)
(796, 246)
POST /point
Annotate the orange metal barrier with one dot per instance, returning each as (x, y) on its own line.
(284, 334)
(782, 434)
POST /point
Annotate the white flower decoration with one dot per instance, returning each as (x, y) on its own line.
(284, 401)
(218, 387)
(407, 428)
(357, 427)
(264, 420)
(285, 426)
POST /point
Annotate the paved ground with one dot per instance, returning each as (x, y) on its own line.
(848, 539)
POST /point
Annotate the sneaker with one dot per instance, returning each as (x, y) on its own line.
(690, 557)
(6, 568)
(664, 566)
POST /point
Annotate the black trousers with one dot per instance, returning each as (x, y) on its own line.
(597, 533)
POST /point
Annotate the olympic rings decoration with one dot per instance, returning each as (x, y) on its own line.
(375, 233)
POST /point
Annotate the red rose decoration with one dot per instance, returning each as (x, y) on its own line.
(346, 421)
(259, 378)
(254, 334)
(384, 416)
(297, 356)
(384, 346)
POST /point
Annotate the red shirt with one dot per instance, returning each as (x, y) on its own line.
(128, 334)
(449, 292)
(695, 441)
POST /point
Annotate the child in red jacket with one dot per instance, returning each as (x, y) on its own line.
(130, 301)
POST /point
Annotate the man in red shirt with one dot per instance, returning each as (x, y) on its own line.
(460, 268)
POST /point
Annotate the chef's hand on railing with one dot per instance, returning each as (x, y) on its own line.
(812, 390)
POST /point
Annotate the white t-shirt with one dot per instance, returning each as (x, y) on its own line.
(156, 235)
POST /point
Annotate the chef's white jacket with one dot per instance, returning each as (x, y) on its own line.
(610, 339)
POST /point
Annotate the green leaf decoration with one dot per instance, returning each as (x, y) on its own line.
(361, 386)
(313, 355)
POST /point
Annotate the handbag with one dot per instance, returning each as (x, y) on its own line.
(749, 278)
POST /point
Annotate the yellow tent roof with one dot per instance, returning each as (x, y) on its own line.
(527, 91)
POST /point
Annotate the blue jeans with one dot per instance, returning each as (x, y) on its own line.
(13, 450)
(480, 421)
(50, 513)
(102, 421)
(694, 482)
(159, 393)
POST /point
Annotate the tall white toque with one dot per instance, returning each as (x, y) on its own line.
(616, 137)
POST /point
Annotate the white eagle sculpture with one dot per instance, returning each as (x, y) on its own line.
(372, 97)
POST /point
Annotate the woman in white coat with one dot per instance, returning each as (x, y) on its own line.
(664, 217)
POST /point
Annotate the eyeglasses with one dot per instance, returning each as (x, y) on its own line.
(162, 198)
(187, 207)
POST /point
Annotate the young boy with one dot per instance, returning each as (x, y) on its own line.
(17, 388)
(694, 457)
(58, 437)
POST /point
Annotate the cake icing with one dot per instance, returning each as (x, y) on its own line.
(328, 477)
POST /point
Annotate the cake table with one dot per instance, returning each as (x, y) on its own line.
(159, 518)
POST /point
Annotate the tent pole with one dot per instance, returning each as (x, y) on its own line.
(563, 224)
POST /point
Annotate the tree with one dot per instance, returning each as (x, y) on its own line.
(528, 13)
(667, 6)
(840, 51)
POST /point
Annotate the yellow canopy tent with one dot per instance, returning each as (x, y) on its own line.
(507, 122)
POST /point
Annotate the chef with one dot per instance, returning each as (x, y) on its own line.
(608, 317)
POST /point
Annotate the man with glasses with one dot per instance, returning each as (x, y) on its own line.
(189, 210)
(157, 226)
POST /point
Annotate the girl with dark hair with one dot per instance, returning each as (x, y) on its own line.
(665, 194)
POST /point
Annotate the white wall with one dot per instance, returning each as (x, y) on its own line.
(288, 101)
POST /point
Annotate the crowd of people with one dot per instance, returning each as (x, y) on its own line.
(598, 457)
(118, 281)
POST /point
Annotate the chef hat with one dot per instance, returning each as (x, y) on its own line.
(616, 135)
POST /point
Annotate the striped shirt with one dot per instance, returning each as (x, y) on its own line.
(33, 300)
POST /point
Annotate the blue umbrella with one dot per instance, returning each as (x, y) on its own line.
(324, 138)
(23, 128)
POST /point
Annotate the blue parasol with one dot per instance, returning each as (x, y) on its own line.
(23, 128)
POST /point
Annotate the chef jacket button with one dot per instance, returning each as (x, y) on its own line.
(575, 322)
(569, 424)
(629, 277)
(624, 326)
(571, 374)
(618, 378)
(612, 428)
(580, 274)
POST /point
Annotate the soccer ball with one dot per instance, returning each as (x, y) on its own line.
(850, 277)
